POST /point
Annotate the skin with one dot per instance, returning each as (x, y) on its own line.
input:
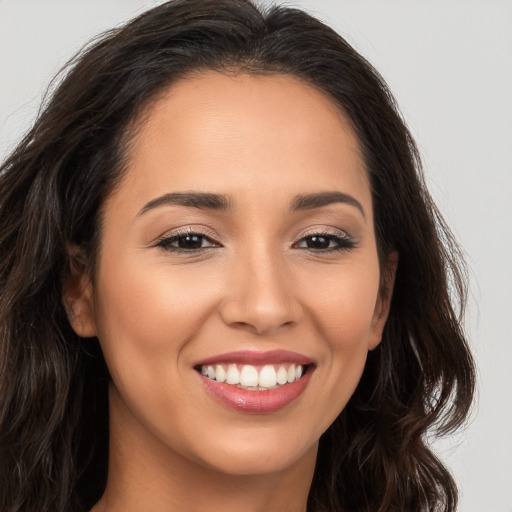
(261, 140)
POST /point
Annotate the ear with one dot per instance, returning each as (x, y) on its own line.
(383, 304)
(77, 294)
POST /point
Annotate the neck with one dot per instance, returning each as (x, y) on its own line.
(144, 474)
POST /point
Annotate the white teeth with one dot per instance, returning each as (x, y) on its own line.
(220, 373)
(268, 377)
(233, 375)
(249, 376)
(291, 373)
(282, 376)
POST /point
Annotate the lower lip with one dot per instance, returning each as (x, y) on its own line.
(257, 402)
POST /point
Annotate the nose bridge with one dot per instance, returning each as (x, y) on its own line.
(260, 294)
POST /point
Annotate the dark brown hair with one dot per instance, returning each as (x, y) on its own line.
(53, 399)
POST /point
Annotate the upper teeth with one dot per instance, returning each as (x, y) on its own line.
(249, 376)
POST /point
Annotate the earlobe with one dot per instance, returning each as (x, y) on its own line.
(77, 295)
(383, 304)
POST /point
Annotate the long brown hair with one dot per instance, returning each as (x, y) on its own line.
(53, 399)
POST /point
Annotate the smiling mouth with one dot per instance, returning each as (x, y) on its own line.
(254, 377)
(256, 382)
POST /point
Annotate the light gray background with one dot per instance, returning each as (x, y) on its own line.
(449, 63)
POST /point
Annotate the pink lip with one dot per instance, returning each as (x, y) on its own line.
(257, 358)
(257, 402)
(250, 401)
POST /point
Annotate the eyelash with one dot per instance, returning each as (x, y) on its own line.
(343, 242)
(165, 243)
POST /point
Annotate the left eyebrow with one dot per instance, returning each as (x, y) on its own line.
(319, 199)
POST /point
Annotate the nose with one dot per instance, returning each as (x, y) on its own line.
(260, 297)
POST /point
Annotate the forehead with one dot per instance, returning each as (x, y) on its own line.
(233, 133)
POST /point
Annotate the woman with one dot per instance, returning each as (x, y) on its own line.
(223, 283)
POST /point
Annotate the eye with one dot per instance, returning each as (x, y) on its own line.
(186, 242)
(325, 242)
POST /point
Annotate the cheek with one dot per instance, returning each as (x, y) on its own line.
(146, 317)
(149, 300)
(148, 312)
(342, 304)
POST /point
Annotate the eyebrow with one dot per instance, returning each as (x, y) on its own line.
(201, 200)
(221, 202)
(319, 199)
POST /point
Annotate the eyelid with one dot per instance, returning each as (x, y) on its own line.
(324, 230)
(187, 230)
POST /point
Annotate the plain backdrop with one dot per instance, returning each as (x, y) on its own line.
(449, 63)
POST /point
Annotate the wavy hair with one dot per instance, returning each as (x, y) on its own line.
(53, 385)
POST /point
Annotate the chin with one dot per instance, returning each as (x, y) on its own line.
(263, 455)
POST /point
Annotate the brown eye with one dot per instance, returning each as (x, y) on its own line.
(190, 242)
(325, 242)
(318, 242)
(186, 242)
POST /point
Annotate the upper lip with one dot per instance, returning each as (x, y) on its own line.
(256, 358)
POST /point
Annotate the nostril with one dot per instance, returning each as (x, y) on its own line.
(261, 326)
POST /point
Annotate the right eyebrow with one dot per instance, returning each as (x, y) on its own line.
(201, 200)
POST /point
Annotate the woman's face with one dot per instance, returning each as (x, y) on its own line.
(240, 245)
